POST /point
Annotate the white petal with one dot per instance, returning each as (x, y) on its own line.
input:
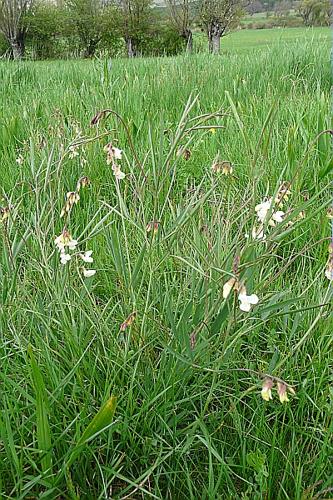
(264, 206)
(253, 299)
(245, 306)
(72, 244)
(329, 274)
(86, 257)
(89, 272)
(117, 153)
(120, 175)
(227, 287)
(278, 216)
(64, 258)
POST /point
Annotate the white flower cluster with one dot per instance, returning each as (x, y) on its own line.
(246, 301)
(65, 241)
(267, 214)
(114, 154)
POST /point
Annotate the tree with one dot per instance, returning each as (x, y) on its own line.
(181, 18)
(48, 23)
(135, 22)
(315, 12)
(282, 8)
(217, 18)
(13, 24)
(255, 7)
(92, 19)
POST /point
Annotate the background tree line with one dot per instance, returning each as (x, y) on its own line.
(81, 28)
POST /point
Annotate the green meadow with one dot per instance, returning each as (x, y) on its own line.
(145, 380)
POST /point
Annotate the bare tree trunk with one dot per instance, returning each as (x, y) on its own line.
(214, 37)
(90, 49)
(216, 44)
(130, 47)
(17, 47)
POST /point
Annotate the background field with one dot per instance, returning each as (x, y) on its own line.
(189, 422)
(245, 40)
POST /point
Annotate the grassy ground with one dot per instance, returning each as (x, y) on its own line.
(187, 372)
(245, 40)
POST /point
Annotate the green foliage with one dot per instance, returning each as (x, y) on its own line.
(190, 421)
(315, 12)
(94, 23)
(164, 40)
(4, 45)
(48, 24)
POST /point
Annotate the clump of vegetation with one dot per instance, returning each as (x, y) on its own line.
(166, 245)
(39, 29)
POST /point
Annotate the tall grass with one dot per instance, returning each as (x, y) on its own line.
(187, 373)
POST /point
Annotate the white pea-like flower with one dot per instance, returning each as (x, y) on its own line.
(227, 287)
(266, 391)
(262, 209)
(329, 272)
(119, 175)
(246, 301)
(278, 216)
(65, 240)
(64, 258)
(86, 256)
(88, 273)
(117, 153)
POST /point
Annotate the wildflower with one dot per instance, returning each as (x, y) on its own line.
(73, 152)
(82, 182)
(185, 153)
(64, 257)
(86, 256)
(329, 213)
(212, 130)
(153, 226)
(266, 391)
(113, 153)
(276, 217)
(99, 115)
(128, 322)
(262, 209)
(65, 240)
(329, 270)
(88, 273)
(228, 286)
(72, 198)
(246, 301)
(282, 392)
(283, 193)
(119, 175)
(224, 167)
(4, 213)
(227, 168)
(19, 160)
